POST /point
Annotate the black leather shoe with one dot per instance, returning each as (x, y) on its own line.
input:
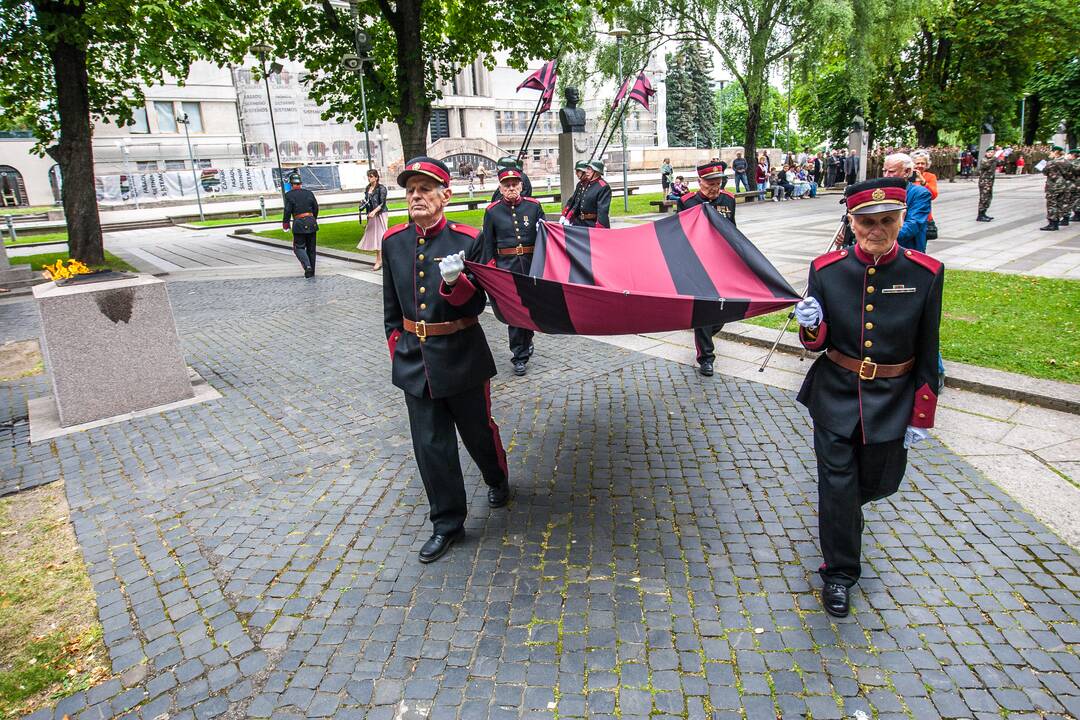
(1051, 225)
(1076, 216)
(309, 273)
(519, 368)
(836, 599)
(1064, 220)
(437, 545)
(499, 496)
(983, 218)
(706, 369)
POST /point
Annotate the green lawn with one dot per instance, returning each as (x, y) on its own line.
(41, 237)
(26, 209)
(38, 261)
(1018, 323)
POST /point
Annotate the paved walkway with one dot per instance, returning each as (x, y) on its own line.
(255, 556)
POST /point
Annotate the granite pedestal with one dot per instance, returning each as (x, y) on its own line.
(985, 141)
(17, 276)
(111, 348)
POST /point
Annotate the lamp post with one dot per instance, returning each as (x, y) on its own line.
(263, 52)
(788, 116)
(722, 116)
(186, 121)
(620, 33)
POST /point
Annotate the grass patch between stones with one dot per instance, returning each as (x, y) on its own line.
(50, 639)
(36, 262)
(1019, 323)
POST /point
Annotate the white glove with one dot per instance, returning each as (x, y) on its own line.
(808, 312)
(563, 220)
(451, 266)
(915, 435)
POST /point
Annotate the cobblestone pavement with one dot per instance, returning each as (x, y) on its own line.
(255, 556)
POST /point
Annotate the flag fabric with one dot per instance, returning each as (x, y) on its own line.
(693, 269)
(546, 96)
(620, 95)
(542, 79)
(642, 91)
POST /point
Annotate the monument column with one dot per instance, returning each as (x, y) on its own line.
(573, 145)
(858, 144)
(986, 139)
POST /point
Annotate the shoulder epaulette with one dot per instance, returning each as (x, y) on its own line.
(601, 182)
(728, 193)
(828, 259)
(688, 195)
(493, 204)
(395, 229)
(530, 199)
(923, 259)
(465, 230)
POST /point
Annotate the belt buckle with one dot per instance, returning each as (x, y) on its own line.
(873, 372)
(520, 250)
(421, 330)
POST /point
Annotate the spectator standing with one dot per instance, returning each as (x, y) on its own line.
(913, 231)
(666, 171)
(739, 165)
(928, 180)
(818, 167)
(376, 208)
(1019, 164)
(481, 173)
(851, 168)
(761, 178)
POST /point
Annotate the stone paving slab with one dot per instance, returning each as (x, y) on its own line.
(256, 556)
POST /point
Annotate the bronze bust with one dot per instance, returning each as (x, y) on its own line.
(571, 116)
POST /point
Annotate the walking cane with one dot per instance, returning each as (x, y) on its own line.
(835, 242)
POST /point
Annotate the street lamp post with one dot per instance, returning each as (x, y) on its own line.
(721, 116)
(186, 121)
(788, 117)
(263, 52)
(619, 34)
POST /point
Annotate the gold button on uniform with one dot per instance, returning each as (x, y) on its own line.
(421, 273)
(869, 343)
(420, 256)
(925, 397)
(871, 271)
(922, 415)
(423, 290)
(423, 306)
(867, 359)
(869, 288)
(421, 241)
(869, 308)
(869, 326)
(908, 253)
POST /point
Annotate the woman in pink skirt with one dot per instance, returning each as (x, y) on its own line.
(374, 205)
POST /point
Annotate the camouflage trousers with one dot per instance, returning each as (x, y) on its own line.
(1059, 201)
(986, 193)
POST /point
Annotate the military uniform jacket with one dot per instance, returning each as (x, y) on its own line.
(594, 200)
(1058, 171)
(885, 312)
(441, 365)
(526, 189)
(724, 203)
(987, 168)
(299, 201)
(510, 226)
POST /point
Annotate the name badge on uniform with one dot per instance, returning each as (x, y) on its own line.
(896, 289)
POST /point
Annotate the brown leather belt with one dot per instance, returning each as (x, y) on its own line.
(425, 329)
(588, 216)
(867, 370)
(300, 215)
(519, 250)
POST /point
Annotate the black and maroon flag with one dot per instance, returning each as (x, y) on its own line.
(693, 269)
(642, 91)
(542, 79)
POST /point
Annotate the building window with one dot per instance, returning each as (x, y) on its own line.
(475, 78)
(175, 164)
(498, 123)
(140, 125)
(461, 123)
(440, 124)
(522, 122)
(455, 86)
(146, 166)
(193, 110)
(166, 116)
(203, 163)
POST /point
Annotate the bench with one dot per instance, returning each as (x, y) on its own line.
(662, 206)
(752, 195)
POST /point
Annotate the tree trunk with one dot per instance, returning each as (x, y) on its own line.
(414, 110)
(75, 154)
(926, 134)
(753, 119)
(1031, 119)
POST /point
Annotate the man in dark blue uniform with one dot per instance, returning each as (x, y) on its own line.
(581, 169)
(504, 163)
(510, 225)
(438, 351)
(710, 192)
(875, 312)
(301, 211)
(593, 205)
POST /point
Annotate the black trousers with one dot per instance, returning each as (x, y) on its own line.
(432, 423)
(703, 341)
(521, 341)
(303, 245)
(850, 474)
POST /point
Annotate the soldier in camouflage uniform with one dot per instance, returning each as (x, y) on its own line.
(1074, 160)
(1058, 172)
(987, 169)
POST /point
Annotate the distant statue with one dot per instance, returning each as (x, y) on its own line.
(988, 125)
(858, 123)
(571, 116)
(1062, 129)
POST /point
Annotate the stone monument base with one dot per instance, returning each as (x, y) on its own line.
(985, 141)
(111, 348)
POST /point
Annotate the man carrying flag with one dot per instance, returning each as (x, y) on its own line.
(875, 311)
(710, 179)
(594, 203)
(510, 225)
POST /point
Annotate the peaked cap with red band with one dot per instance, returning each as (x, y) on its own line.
(710, 170)
(509, 174)
(425, 166)
(878, 195)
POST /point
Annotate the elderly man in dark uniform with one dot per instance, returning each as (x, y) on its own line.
(594, 203)
(581, 168)
(512, 162)
(875, 311)
(710, 192)
(438, 351)
(301, 211)
(510, 225)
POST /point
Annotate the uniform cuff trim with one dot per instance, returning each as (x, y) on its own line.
(460, 292)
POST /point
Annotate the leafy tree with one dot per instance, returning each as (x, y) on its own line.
(416, 46)
(681, 109)
(69, 63)
(1055, 89)
(731, 103)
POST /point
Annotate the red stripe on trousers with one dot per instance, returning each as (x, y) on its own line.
(499, 452)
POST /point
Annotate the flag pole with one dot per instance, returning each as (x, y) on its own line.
(791, 315)
(621, 111)
(535, 120)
